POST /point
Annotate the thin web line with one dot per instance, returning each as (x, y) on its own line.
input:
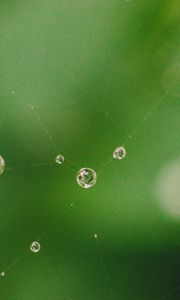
(101, 257)
(172, 292)
(47, 133)
(67, 210)
(13, 263)
(59, 217)
(36, 165)
(146, 118)
(44, 233)
(95, 102)
(102, 261)
(138, 127)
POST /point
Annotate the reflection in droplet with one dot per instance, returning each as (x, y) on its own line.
(35, 247)
(86, 178)
(119, 153)
(59, 159)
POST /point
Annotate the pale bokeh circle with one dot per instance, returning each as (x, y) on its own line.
(168, 188)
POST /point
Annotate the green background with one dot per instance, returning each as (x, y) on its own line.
(93, 70)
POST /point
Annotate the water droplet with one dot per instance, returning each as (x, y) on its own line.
(119, 153)
(35, 247)
(59, 159)
(2, 274)
(2, 165)
(86, 178)
(95, 236)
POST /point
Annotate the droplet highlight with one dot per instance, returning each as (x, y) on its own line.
(35, 247)
(59, 159)
(119, 153)
(2, 165)
(86, 178)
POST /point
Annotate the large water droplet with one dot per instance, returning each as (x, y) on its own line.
(119, 153)
(59, 159)
(86, 178)
(2, 165)
(35, 247)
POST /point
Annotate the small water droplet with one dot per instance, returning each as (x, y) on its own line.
(119, 153)
(2, 165)
(86, 178)
(71, 204)
(2, 274)
(59, 159)
(35, 247)
(95, 236)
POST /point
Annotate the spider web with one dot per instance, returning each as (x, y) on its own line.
(44, 141)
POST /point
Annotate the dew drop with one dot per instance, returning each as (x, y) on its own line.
(35, 247)
(119, 153)
(59, 159)
(2, 165)
(2, 274)
(86, 178)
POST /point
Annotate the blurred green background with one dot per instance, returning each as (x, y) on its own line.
(92, 70)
